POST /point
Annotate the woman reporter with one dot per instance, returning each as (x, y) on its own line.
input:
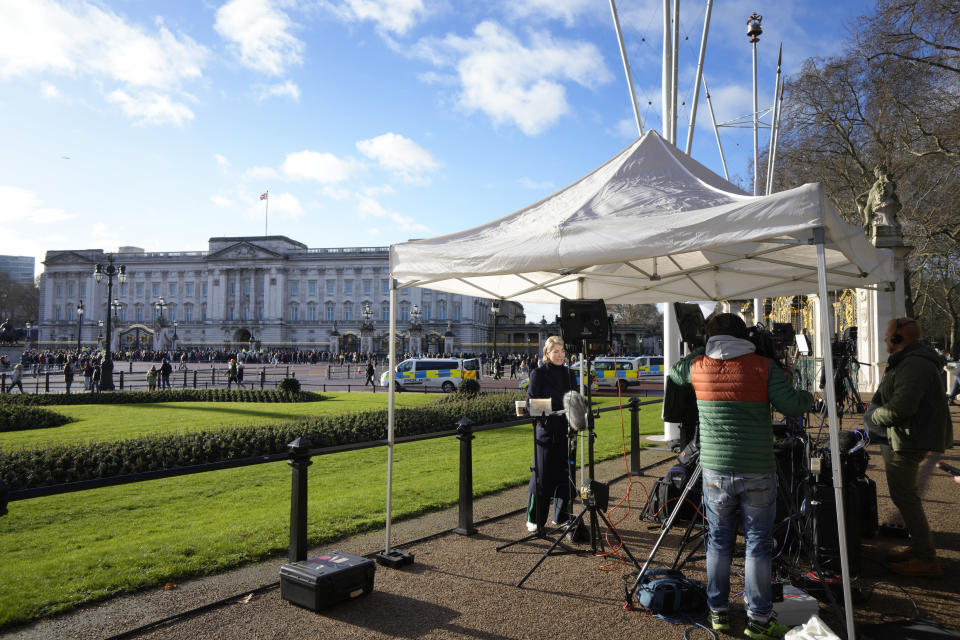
(552, 457)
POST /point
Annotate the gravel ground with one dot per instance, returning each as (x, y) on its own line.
(461, 587)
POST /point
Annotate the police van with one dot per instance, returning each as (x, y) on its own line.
(623, 372)
(445, 373)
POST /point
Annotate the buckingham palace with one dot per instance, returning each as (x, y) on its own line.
(262, 291)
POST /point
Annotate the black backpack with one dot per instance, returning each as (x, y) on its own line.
(667, 593)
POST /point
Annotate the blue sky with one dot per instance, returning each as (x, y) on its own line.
(370, 122)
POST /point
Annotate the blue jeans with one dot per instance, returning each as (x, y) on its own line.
(756, 496)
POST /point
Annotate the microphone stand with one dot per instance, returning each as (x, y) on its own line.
(540, 533)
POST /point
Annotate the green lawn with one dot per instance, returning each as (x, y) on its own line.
(121, 421)
(60, 551)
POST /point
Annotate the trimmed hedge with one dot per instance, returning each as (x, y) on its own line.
(18, 418)
(57, 464)
(167, 395)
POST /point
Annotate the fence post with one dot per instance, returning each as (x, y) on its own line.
(121, 381)
(635, 436)
(288, 371)
(263, 376)
(328, 372)
(299, 461)
(3, 382)
(46, 383)
(131, 366)
(194, 378)
(465, 505)
(213, 376)
(36, 385)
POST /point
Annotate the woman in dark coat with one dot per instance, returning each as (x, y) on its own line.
(550, 477)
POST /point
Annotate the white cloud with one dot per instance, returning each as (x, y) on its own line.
(221, 201)
(222, 161)
(566, 10)
(20, 205)
(41, 36)
(321, 167)
(261, 173)
(261, 33)
(399, 155)
(49, 91)
(287, 89)
(371, 208)
(517, 83)
(282, 205)
(394, 16)
(149, 107)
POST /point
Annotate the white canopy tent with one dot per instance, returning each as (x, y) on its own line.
(652, 225)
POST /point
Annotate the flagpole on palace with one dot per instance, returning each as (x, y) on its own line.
(265, 196)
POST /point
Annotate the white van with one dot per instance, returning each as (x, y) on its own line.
(623, 372)
(446, 373)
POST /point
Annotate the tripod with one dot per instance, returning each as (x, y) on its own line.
(694, 477)
(540, 533)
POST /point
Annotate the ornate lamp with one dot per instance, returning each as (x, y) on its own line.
(110, 270)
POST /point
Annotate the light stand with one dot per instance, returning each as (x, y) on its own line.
(540, 533)
(111, 270)
(79, 325)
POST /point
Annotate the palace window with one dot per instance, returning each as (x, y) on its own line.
(348, 287)
(331, 287)
(367, 287)
(139, 289)
(188, 314)
(189, 288)
(173, 289)
(156, 289)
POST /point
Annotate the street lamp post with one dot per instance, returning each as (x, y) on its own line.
(495, 311)
(111, 270)
(79, 324)
(26, 339)
(100, 333)
(160, 305)
(366, 329)
(415, 330)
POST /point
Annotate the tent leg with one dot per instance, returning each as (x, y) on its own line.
(831, 400)
(393, 558)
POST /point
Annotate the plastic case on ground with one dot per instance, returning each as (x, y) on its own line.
(330, 578)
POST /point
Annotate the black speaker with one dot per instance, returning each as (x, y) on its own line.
(691, 323)
(584, 320)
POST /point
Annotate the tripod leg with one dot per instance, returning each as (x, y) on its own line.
(694, 477)
(621, 543)
(571, 526)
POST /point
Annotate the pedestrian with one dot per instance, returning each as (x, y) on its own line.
(370, 373)
(240, 374)
(95, 378)
(735, 389)
(911, 406)
(16, 378)
(87, 375)
(231, 373)
(67, 374)
(152, 378)
(165, 369)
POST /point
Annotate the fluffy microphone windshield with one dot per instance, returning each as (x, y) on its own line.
(576, 410)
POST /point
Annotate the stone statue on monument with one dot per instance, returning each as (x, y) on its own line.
(879, 206)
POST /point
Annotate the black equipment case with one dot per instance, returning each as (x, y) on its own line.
(325, 580)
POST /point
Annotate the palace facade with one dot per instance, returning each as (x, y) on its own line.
(272, 291)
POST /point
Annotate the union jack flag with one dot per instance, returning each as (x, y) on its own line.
(263, 196)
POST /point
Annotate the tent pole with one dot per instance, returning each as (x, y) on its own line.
(716, 131)
(675, 72)
(831, 400)
(778, 104)
(665, 78)
(626, 68)
(696, 83)
(773, 125)
(390, 406)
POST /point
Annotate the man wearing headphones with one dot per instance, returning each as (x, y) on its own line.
(912, 407)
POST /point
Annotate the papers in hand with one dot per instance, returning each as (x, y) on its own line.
(541, 406)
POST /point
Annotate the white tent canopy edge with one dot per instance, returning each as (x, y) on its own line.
(653, 225)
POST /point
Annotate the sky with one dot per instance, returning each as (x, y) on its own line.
(368, 122)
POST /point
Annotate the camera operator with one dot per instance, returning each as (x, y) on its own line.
(911, 405)
(553, 379)
(735, 388)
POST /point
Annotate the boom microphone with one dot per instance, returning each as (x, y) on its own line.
(576, 410)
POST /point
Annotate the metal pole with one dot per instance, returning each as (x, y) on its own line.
(626, 68)
(696, 84)
(465, 504)
(819, 238)
(299, 460)
(635, 435)
(675, 72)
(716, 130)
(390, 408)
(776, 134)
(665, 79)
(756, 147)
(773, 125)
